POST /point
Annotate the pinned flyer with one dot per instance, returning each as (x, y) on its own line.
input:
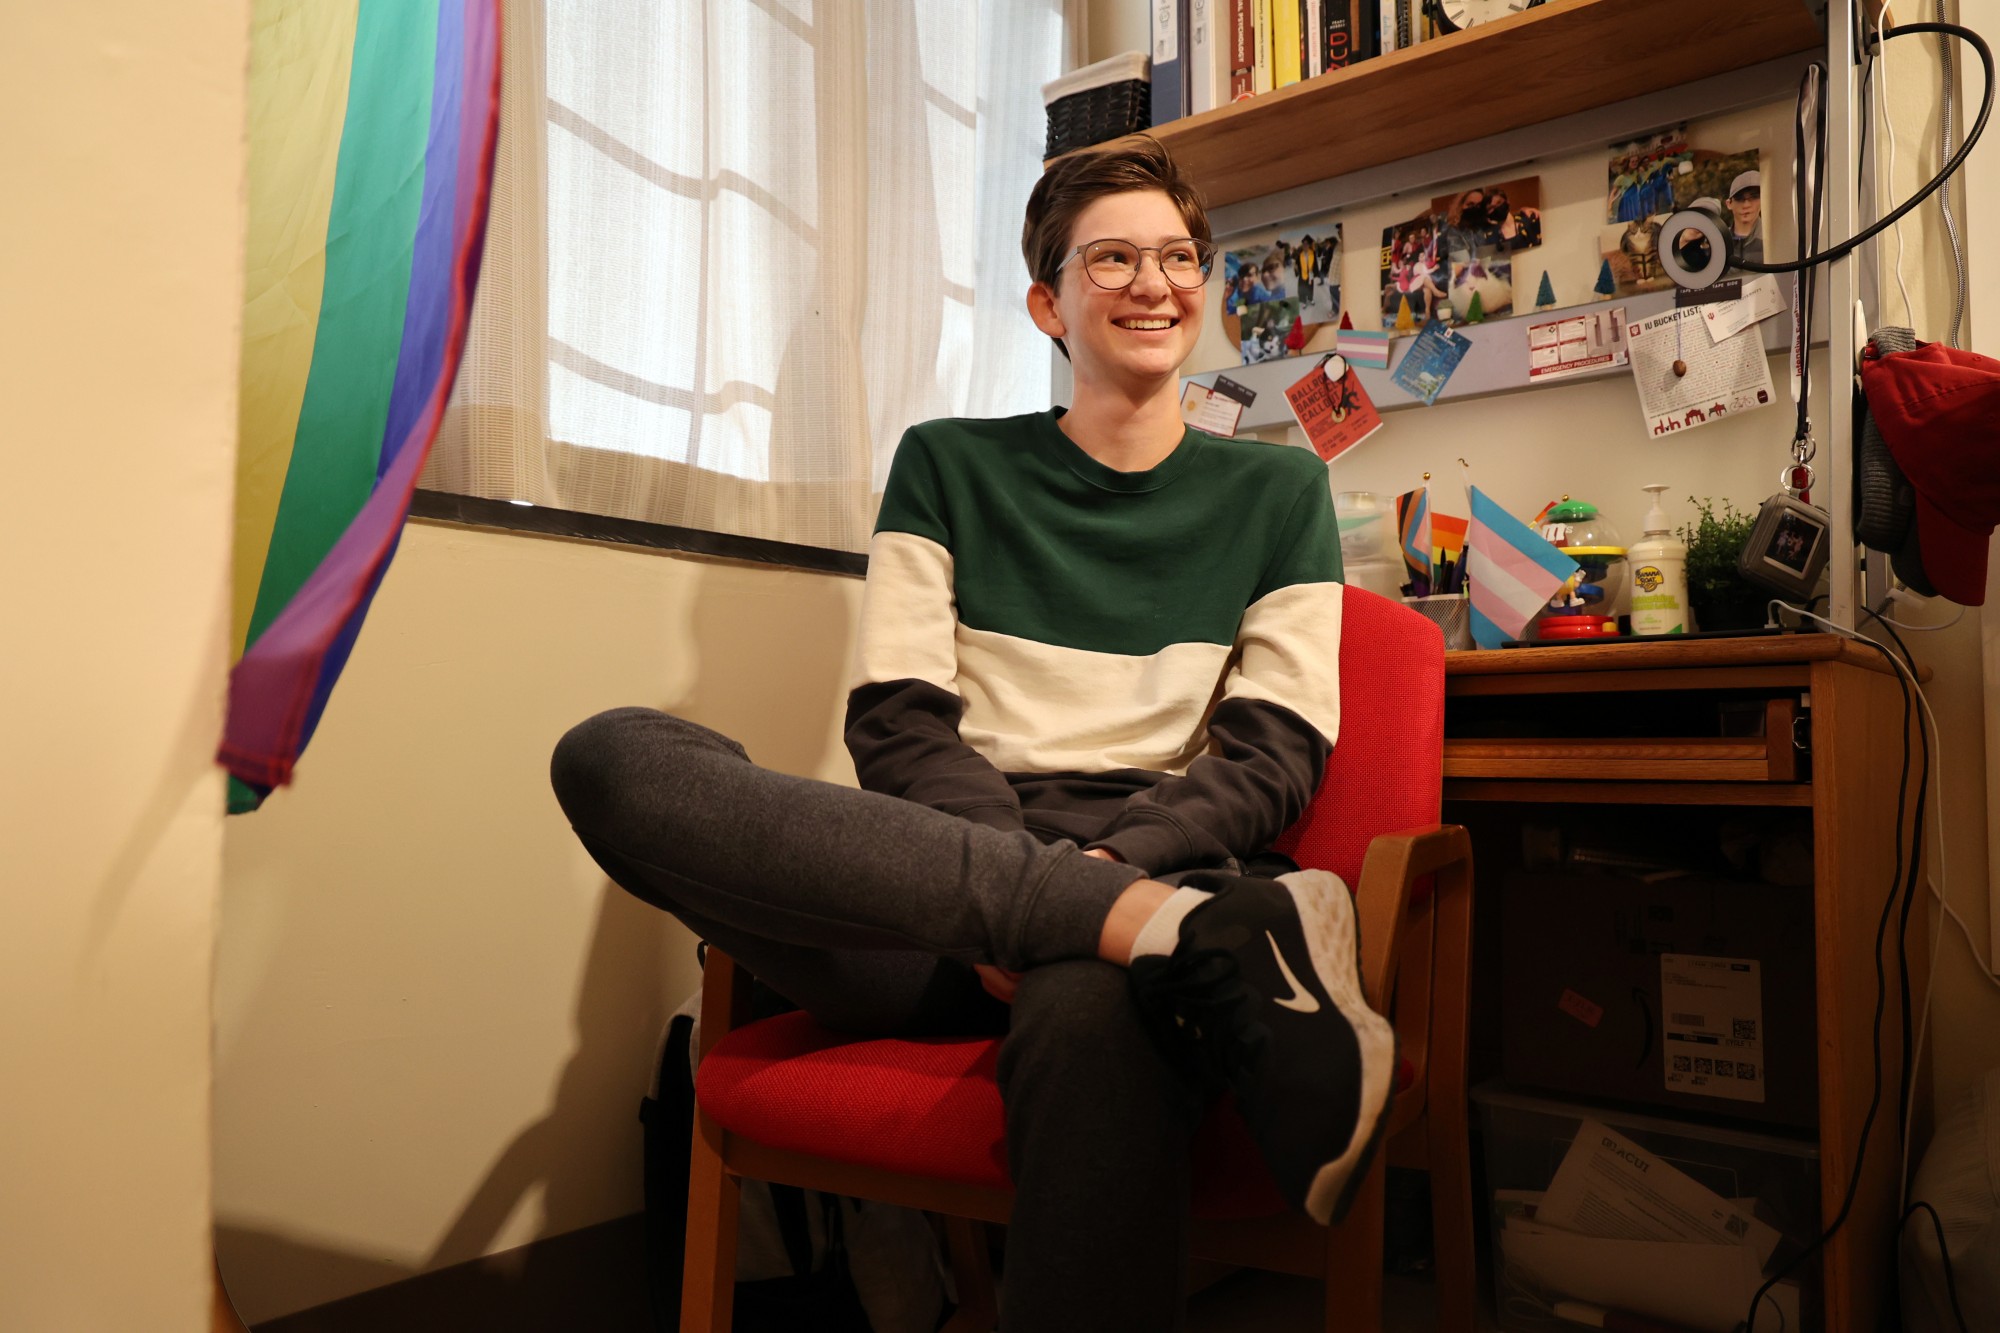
(1205, 409)
(1592, 340)
(1686, 381)
(1429, 363)
(1760, 300)
(1332, 408)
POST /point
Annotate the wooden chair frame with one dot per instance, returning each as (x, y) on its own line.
(1416, 961)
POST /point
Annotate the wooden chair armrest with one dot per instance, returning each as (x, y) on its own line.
(725, 997)
(1416, 956)
(1389, 872)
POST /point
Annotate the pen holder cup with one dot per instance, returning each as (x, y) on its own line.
(1451, 613)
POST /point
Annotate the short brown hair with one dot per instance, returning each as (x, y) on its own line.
(1076, 180)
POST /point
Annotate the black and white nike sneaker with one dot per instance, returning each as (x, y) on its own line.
(1263, 995)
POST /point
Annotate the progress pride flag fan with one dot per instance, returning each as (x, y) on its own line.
(372, 129)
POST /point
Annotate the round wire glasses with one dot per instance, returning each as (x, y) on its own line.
(1114, 264)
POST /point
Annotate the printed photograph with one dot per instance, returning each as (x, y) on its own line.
(1633, 251)
(1416, 275)
(1313, 255)
(1481, 288)
(1279, 287)
(1491, 219)
(1269, 331)
(1651, 179)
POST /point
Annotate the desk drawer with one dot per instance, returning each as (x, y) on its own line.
(1772, 756)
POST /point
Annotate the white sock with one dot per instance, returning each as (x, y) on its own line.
(1162, 930)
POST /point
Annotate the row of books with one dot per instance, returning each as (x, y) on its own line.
(1208, 53)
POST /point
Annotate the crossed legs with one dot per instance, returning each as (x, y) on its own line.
(867, 912)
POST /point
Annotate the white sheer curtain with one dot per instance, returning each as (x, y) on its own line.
(737, 246)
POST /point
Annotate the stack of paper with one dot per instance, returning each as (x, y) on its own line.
(1622, 1230)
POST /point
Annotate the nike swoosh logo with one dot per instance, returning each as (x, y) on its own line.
(1300, 1001)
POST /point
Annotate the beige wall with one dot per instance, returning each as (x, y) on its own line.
(435, 1016)
(121, 255)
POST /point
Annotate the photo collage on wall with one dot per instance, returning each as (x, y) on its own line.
(1279, 289)
(1455, 261)
(1651, 179)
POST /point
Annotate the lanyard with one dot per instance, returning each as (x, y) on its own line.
(1809, 143)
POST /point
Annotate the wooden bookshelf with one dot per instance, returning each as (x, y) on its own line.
(1555, 60)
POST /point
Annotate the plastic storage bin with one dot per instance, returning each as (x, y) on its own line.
(1594, 1209)
(1099, 102)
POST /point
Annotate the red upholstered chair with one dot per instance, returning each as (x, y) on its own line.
(919, 1123)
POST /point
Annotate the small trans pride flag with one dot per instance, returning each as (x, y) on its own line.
(1513, 572)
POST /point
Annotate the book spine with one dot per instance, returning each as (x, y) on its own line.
(1206, 73)
(1367, 30)
(1338, 38)
(1183, 10)
(1284, 43)
(1262, 68)
(1406, 24)
(1166, 89)
(1315, 11)
(1242, 48)
(1386, 17)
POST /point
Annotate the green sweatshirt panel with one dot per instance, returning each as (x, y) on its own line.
(1052, 546)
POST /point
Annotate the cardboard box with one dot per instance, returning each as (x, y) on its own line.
(1693, 993)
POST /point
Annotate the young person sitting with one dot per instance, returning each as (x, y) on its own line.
(1095, 678)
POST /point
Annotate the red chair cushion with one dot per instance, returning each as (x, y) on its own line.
(928, 1108)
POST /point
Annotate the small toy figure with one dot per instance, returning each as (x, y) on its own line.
(1582, 534)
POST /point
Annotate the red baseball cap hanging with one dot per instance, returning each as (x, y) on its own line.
(1938, 409)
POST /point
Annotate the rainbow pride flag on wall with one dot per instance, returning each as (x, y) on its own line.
(372, 129)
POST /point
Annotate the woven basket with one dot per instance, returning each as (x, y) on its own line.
(1103, 101)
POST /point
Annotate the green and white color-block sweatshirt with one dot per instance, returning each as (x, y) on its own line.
(1144, 661)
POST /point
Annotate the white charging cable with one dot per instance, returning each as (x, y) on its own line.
(1889, 132)
(1900, 593)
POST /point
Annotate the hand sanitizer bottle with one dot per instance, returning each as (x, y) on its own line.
(1658, 563)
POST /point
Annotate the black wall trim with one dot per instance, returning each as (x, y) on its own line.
(483, 513)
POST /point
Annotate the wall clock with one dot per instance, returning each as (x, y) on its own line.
(1458, 15)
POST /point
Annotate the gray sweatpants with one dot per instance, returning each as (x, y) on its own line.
(867, 911)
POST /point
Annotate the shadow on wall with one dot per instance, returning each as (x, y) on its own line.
(556, 1153)
(770, 670)
(557, 1158)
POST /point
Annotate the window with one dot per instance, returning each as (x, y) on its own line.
(739, 245)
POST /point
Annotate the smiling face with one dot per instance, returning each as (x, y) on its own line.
(1136, 339)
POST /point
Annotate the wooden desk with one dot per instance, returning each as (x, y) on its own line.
(1814, 722)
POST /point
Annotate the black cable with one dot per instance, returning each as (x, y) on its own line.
(1944, 1253)
(1910, 1056)
(1896, 888)
(1846, 247)
(1808, 223)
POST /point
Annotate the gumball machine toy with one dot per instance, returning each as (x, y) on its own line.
(1583, 608)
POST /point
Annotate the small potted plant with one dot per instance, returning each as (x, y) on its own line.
(1720, 597)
